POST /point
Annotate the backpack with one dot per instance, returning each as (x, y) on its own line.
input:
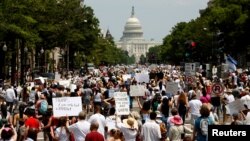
(204, 122)
(43, 107)
(163, 130)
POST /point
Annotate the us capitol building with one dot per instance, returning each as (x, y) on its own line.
(132, 39)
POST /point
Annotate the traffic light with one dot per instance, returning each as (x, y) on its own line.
(193, 44)
(220, 42)
(190, 49)
(187, 49)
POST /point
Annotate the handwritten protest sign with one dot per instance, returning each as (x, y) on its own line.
(142, 77)
(137, 90)
(70, 106)
(235, 106)
(172, 87)
(121, 103)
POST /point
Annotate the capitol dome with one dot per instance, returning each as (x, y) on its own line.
(132, 28)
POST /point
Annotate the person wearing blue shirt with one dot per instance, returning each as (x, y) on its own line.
(201, 124)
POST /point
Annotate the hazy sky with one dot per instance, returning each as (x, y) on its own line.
(157, 17)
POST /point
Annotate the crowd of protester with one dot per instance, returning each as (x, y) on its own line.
(160, 116)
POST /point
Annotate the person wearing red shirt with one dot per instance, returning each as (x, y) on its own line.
(94, 135)
(32, 122)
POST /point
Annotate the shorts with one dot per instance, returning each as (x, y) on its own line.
(86, 101)
(193, 118)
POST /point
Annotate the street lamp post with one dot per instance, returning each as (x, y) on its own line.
(62, 52)
(38, 61)
(3, 68)
(41, 58)
(25, 63)
(5, 47)
(84, 63)
(53, 61)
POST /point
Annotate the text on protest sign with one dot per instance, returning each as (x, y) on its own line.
(121, 103)
(172, 87)
(189, 69)
(70, 106)
(137, 90)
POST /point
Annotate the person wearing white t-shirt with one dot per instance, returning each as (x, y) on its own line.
(81, 128)
(151, 130)
(10, 98)
(110, 120)
(194, 108)
(98, 117)
(229, 97)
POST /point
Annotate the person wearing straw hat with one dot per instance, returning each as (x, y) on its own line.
(228, 98)
(177, 131)
(129, 128)
(228, 95)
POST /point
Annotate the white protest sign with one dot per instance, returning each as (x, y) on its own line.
(67, 106)
(65, 83)
(142, 77)
(172, 87)
(121, 103)
(125, 77)
(137, 90)
(189, 69)
(235, 106)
